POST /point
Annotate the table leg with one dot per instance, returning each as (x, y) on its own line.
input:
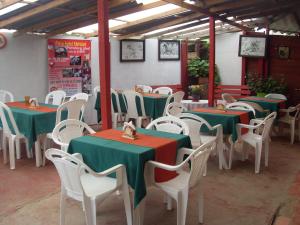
(38, 156)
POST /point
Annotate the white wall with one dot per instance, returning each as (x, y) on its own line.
(23, 68)
(227, 59)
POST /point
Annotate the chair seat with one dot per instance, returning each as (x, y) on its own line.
(252, 138)
(178, 183)
(94, 186)
(204, 139)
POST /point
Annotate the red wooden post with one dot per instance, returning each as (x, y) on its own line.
(267, 61)
(104, 63)
(244, 67)
(211, 78)
(184, 59)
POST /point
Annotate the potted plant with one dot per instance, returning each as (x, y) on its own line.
(196, 91)
(263, 86)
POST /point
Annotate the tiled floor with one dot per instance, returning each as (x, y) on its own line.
(30, 195)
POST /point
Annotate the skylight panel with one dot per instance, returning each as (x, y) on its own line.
(86, 30)
(148, 12)
(12, 8)
(113, 23)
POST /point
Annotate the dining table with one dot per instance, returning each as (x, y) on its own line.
(108, 148)
(154, 104)
(273, 105)
(33, 122)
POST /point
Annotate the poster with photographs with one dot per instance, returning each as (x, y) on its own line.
(252, 46)
(168, 50)
(132, 50)
(69, 65)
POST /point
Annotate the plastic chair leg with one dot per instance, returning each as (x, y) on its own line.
(182, 201)
(126, 199)
(292, 125)
(90, 211)
(257, 157)
(12, 160)
(169, 203)
(18, 150)
(4, 149)
(200, 205)
(62, 215)
(267, 153)
(230, 156)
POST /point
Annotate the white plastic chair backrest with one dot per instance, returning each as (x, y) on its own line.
(195, 124)
(6, 96)
(67, 167)
(7, 118)
(83, 96)
(57, 97)
(276, 96)
(96, 90)
(256, 106)
(169, 124)
(67, 130)
(131, 103)
(297, 114)
(174, 109)
(176, 97)
(73, 108)
(115, 94)
(267, 125)
(163, 90)
(228, 98)
(146, 88)
(240, 106)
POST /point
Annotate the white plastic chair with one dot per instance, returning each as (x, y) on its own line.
(82, 96)
(131, 106)
(198, 137)
(169, 124)
(228, 98)
(240, 106)
(276, 96)
(57, 97)
(81, 183)
(14, 137)
(96, 90)
(292, 114)
(178, 188)
(257, 107)
(175, 109)
(176, 97)
(256, 139)
(146, 88)
(73, 110)
(117, 116)
(66, 130)
(163, 90)
(6, 96)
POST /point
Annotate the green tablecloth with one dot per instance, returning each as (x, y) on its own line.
(228, 122)
(32, 123)
(101, 154)
(154, 107)
(272, 106)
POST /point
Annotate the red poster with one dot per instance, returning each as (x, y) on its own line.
(69, 65)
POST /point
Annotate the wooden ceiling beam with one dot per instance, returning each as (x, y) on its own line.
(163, 25)
(68, 17)
(147, 19)
(32, 12)
(235, 5)
(138, 8)
(206, 12)
(6, 3)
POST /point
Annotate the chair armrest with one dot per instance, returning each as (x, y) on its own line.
(78, 156)
(105, 172)
(155, 164)
(251, 127)
(256, 121)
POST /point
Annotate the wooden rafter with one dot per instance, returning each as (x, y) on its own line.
(32, 12)
(206, 12)
(163, 25)
(90, 11)
(235, 5)
(138, 8)
(6, 3)
(147, 19)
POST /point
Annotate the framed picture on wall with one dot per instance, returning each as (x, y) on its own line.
(132, 50)
(168, 50)
(252, 46)
(283, 52)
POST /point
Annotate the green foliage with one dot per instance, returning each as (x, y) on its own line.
(266, 85)
(200, 68)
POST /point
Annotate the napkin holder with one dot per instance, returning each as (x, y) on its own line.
(33, 102)
(129, 131)
(221, 107)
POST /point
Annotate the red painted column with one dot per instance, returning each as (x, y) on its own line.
(267, 61)
(184, 61)
(211, 77)
(244, 67)
(104, 63)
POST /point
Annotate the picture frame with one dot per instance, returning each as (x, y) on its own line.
(252, 46)
(132, 50)
(168, 50)
(283, 52)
